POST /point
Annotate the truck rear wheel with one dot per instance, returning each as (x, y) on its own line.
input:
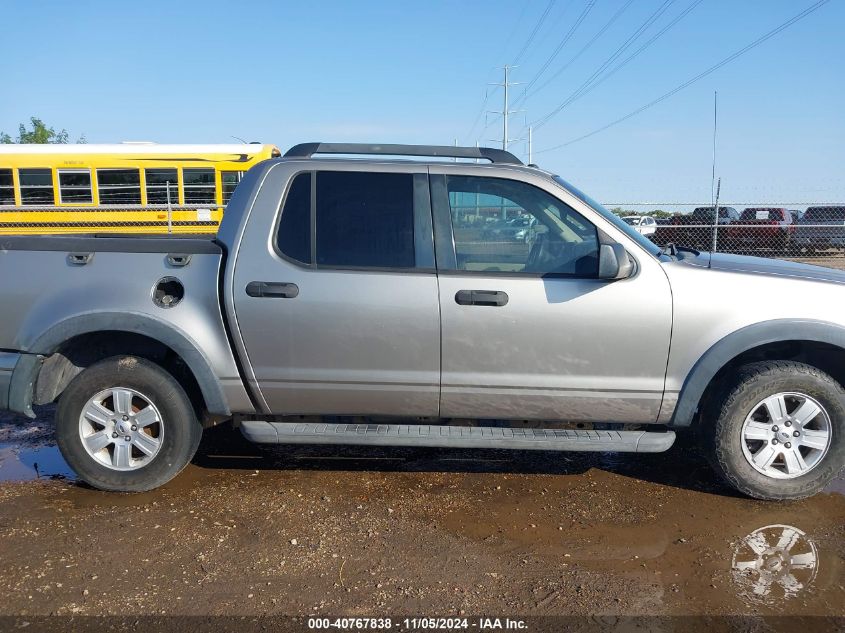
(125, 424)
(779, 431)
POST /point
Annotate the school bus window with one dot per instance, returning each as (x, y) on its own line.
(75, 185)
(119, 186)
(36, 186)
(7, 187)
(199, 186)
(156, 181)
(230, 180)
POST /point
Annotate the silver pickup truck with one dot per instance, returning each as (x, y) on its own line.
(365, 301)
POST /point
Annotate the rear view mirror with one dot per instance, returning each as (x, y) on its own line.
(614, 262)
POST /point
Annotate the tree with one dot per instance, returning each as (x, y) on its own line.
(39, 133)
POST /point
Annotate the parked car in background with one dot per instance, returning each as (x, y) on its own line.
(643, 224)
(695, 230)
(821, 228)
(761, 228)
(796, 215)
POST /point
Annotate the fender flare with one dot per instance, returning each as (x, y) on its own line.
(742, 340)
(28, 367)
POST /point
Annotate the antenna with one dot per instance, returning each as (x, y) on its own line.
(715, 124)
(716, 225)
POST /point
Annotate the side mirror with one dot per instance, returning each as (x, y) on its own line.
(614, 262)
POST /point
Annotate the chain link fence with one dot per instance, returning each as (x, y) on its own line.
(812, 233)
(807, 232)
(125, 218)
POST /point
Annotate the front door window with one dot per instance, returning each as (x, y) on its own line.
(508, 226)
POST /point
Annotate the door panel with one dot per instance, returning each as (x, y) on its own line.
(548, 340)
(348, 343)
(576, 350)
(322, 337)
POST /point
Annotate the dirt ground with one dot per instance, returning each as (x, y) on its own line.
(376, 532)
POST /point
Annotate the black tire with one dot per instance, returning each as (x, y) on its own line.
(721, 431)
(181, 436)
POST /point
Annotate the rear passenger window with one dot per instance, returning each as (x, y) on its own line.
(7, 189)
(294, 237)
(36, 186)
(365, 220)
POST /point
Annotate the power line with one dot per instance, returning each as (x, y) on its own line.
(525, 46)
(698, 77)
(587, 8)
(534, 32)
(633, 55)
(583, 50)
(516, 26)
(480, 113)
(622, 48)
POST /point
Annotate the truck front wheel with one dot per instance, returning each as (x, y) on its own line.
(125, 424)
(779, 430)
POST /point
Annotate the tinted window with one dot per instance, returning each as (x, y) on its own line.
(824, 214)
(36, 186)
(156, 182)
(365, 220)
(7, 190)
(294, 236)
(75, 186)
(119, 186)
(199, 186)
(230, 180)
(509, 226)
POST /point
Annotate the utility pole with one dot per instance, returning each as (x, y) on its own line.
(530, 145)
(505, 112)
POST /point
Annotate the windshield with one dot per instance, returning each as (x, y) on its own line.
(635, 235)
(761, 214)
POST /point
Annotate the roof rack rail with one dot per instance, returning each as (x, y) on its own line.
(307, 150)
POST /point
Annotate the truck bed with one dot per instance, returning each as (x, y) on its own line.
(55, 287)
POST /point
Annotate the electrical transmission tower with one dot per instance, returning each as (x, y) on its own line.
(505, 112)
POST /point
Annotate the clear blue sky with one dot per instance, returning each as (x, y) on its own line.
(415, 72)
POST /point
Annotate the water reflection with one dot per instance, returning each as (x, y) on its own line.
(774, 562)
(22, 463)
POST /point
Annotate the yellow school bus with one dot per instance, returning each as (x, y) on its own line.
(123, 188)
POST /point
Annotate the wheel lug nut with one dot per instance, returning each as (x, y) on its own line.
(125, 418)
(795, 434)
(134, 428)
(787, 423)
(775, 428)
(788, 445)
(127, 438)
(774, 441)
(114, 434)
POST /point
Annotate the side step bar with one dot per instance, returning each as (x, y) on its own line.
(456, 436)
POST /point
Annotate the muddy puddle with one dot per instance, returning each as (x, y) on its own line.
(332, 529)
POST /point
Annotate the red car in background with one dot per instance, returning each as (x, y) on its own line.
(761, 228)
(695, 230)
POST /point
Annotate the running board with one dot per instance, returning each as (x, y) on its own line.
(457, 436)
